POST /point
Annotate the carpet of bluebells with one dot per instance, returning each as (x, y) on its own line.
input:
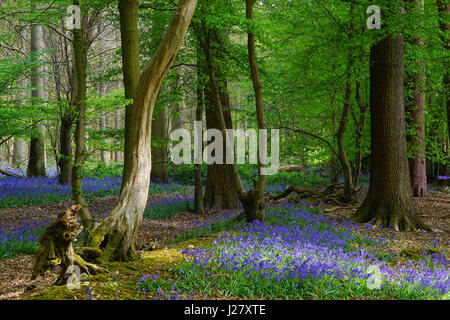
(299, 253)
(21, 191)
(17, 192)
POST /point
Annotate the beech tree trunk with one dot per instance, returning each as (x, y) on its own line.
(415, 117)
(160, 156)
(444, 10)
(389, 201)
(19, 151)
(36, 162)
(253, 201)
(65, 149)
(79, 101)
(219, 186)
(349, 189)
(359, 132)
(117, 126)
(198, 185)
(117, 234)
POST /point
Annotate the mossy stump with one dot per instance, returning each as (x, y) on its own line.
(55, 248)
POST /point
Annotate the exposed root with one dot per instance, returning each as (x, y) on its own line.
(56, 249)
(397, 218)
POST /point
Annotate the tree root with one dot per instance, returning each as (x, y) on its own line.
(398, 218)
(55, 248)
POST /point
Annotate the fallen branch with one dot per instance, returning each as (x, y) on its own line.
(328, 194)
(9, 174)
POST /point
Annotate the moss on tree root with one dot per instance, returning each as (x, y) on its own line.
(55, 248)
(120, 282)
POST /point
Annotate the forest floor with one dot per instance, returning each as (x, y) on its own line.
(434, 210)
(159, 255)
(15, 272)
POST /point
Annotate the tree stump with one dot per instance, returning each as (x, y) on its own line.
(55, 248)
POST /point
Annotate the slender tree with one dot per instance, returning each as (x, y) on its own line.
(80, 68)
(198, 191)
(415, 120)
(160, 156)
(444, 10)
(117, 234)
(36, 162)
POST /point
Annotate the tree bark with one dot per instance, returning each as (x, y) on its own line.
(19, 152)
(160, 157)
(117, 234)
(36, 162)
(359, 128)
(219, 186)
(79, 101)
(198, 191)
(415, 121)
(251, 201)
(65, 151)
(55, 248)
(254, 202)
(389, 201)
(444, 10)
(349, 189)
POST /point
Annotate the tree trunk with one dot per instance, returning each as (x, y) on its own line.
(117, 117)
(219, 187)
(415, 121)
(79, 101)
(348, 195)
(444, 10)
(36, 162)
(65, 151)
(160, 157)
(198, 192)
(359, 128)
(389, 201)
(19, 152)
(349, 188)
(254, 202)
(117, 234)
